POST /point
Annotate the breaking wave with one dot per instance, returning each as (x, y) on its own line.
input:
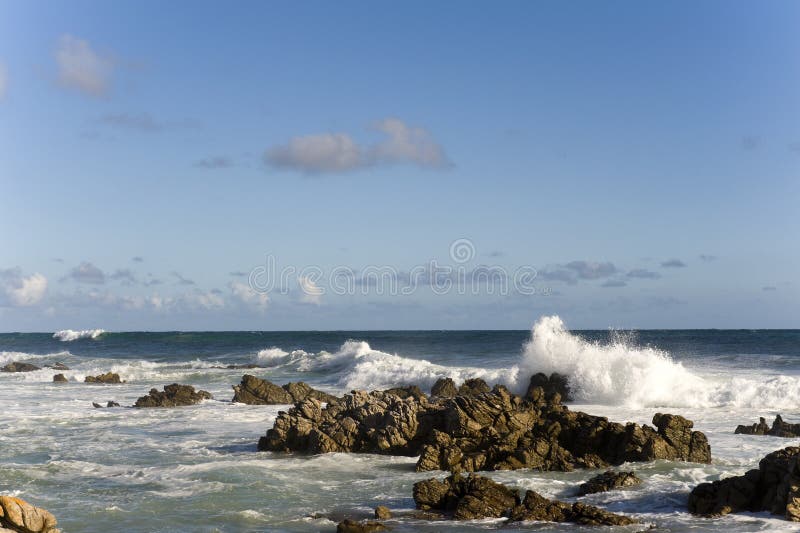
(66, 335)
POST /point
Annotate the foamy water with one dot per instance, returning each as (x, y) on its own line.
(197, 469)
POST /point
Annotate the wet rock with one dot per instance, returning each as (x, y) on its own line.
(352, 526)
(96, 405)
(112, 404)
(255, 391)
(17, 515)
(107, 378)
(475, 497)
(779, 428)
(174, 395)
(774, 486)
(444, 388)
(60, 378)
(554, 384)
(411, 391)
(382, 512)
(608, 480)
(58, 366)
(473, 386)
(19, 367)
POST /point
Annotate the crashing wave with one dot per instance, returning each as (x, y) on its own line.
(66, 335)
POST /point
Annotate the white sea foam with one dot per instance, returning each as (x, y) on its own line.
(66, 335)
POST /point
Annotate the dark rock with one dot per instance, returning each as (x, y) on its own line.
(351, 526)
(96, 405)
(17, 515)
(60, 378)
(555, 384)
(174, 395)
(19, 367)
(411, 391)
(255, 391)
(779, 428)
(476, 497)
(473, 386)
(107, 378)
(444, 388)
(608, 480)
(58, 366)
(773, 487)
(112, 404)
(382, 512)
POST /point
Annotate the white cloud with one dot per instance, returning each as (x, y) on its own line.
(20, 290)
(86, 272)
(3, 80)
(244, 293)
(339, 152)
(81, 68)
(312, 294)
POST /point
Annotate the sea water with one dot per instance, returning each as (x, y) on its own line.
(197, 468)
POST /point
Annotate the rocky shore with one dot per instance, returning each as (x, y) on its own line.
(779, 428)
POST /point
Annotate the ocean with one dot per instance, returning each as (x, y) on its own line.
(197, 469)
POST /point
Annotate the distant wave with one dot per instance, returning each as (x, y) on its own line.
(66, 335)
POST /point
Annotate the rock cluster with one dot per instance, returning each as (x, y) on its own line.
(774, 486)
(608, 480)
(779, 428)
(108, 377)
(255, 391)
(174, 395)
(18, 516)
(19, 367)
(475, 497)
(489, 430)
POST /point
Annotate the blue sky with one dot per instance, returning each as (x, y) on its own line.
(642, 158)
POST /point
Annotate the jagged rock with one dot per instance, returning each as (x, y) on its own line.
(412, 391)
(17, 515)
(493, 430)
(774, 486)
(779, 428)
(555, 384)
(351, 526)
(444, 388)
(58, 366)
(608, 480)
(476, 497)
(60, 378)
(19, 367)
(255, 391)
(473, 386)
(107, 378)
(174, 395)
(382, 512)
(112, 404)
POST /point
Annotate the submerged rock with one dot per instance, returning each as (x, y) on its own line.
(774, 486)
(493, 430)
(17, 515)
(444, 388)
(19, 367)
(475, 497)
(779, 428)
(255, 391)
(108, 378)
(112, 404)
(352, 526)
(608, 480)
(60, 378)
(174, 395)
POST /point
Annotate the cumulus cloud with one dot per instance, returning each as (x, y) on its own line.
(86, 272)
(339, 152)
(244, 294)
(673, 263)
(3, 80)
(216, 162)
(641, 273)
(20, 290)
(80, 67)
(312, 294)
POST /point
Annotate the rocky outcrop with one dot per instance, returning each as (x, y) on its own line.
(382, 512)
(493, 430)
(174, 395)
(444, 388)
(17, 515)
(472, 387)
(411, 391)
(608, 480)
(107, 378)
(554, 384)
(475, 497)
(779, 428)
(255, 391)
(774, 486)
(19, 367)
(60, 378)
(352, 526)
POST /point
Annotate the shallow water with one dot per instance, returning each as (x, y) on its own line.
(197, 468)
